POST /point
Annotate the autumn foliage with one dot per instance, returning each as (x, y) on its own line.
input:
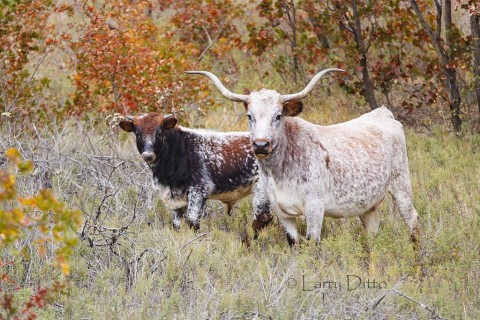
(130, 57)
(127, 63)
(25, 31)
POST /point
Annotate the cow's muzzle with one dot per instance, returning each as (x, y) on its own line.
(262, 148)
(148, 157)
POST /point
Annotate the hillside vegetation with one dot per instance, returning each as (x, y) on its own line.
(84, 236)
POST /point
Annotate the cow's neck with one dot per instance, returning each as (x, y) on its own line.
(174, 158)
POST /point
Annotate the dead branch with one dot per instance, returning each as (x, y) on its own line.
(433, 312)
(210, 41)
(28, 81)
(197, 237)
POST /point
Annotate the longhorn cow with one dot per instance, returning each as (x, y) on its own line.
(342, 170)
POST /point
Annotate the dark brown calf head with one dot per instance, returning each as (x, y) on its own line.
(148, 128)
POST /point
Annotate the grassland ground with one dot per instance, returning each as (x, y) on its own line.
(146, 270)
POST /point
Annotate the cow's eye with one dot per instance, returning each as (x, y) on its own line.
(278, 117)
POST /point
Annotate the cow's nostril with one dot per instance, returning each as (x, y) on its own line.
(261, 144)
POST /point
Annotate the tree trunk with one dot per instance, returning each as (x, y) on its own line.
(291, 13)
(367, 84)
(475, 27)
(451, 72)
(317, 28)
(444, 59)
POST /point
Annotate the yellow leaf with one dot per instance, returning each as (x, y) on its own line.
(65, 266)
(13, 154)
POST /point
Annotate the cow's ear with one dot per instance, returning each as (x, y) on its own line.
(292, 108)
(169, 122)
(127, 125)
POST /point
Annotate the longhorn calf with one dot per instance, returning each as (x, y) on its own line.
(340, 171)
(190, 166)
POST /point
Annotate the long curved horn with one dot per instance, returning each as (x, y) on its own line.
(305, 92)
(224, 91)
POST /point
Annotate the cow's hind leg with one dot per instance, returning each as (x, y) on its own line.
(401, 191)
(371, 223)
(262, 213)
(229, 207)
(177, 217)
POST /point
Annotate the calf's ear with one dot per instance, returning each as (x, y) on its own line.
(127, 125)
(292, 108)
(169, 122)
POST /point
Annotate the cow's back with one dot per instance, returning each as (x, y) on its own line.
(228, 159)
(360, 157)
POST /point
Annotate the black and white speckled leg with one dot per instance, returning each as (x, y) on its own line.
(262, 212)
(196, 205)
(177, 217)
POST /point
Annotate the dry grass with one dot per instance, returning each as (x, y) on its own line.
(146, 270)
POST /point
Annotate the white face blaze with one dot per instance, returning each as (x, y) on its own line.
(264, 120)
(148, 155)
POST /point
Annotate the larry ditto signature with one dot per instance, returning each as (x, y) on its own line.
(350, 283)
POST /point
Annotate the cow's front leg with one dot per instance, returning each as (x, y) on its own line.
(262, 213)
(289, 223)
(177, 217)
(314, 213)
(196, 204)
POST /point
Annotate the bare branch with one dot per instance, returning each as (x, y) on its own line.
(210, 41)
(197, 237)
(438, 31)
(28, 81)
(435, 40)
(433, 313)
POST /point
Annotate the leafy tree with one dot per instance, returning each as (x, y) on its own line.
(25, 30)
(210, 26)
(445, 51)
(473, 10)
(285, 37)
(127, 63)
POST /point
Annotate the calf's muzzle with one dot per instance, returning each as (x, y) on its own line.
(148, 156)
